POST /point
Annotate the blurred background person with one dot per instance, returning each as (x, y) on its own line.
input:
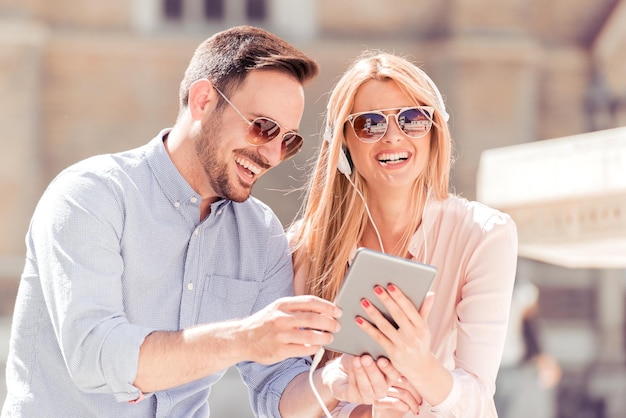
(528, 377)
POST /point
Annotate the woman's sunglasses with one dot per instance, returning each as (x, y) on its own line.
(371, 126)
(262, 130)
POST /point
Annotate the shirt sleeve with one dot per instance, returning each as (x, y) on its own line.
(482, 314)
(74, 236)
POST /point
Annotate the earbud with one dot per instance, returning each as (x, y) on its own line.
(343, 165)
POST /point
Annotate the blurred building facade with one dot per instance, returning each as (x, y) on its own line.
(80, 78)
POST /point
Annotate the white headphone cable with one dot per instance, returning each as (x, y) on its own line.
(424, 227)
(369, 214)
(318, 356)
(316, 361)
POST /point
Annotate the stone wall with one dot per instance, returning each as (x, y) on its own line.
(79, 81)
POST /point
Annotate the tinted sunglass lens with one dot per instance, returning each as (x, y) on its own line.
(415, 122)
(370, 127)
(292, 143)
(264, 130)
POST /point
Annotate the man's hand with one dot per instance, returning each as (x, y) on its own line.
(289, 327)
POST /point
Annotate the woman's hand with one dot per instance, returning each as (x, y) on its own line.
(401, 398)
(359, 379)
(407, 346)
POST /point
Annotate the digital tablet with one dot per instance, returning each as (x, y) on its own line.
(368, 269)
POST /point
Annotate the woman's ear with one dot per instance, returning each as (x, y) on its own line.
(202, 97)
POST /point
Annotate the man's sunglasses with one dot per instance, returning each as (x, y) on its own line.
(371, 126)
(262, 130)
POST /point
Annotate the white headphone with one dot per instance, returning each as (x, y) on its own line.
(344, 166)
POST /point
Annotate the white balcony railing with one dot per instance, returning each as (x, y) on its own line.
(567, 196)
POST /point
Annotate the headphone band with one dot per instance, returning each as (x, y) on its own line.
(441, 105)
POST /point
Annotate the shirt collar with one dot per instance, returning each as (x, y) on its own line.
(173, 184)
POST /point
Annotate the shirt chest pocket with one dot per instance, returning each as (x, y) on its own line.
(227, 298)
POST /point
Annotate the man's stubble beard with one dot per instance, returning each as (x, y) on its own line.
(216, 167)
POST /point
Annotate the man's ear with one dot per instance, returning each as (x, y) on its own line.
(202, 97)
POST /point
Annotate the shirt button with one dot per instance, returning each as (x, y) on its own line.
(190, 286)
(194, 200)
(219, 212)
(196, 231)
(176, 204)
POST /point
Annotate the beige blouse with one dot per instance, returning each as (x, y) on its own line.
(474, 249)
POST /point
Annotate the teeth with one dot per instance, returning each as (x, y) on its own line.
(248, 164)
(393, 157)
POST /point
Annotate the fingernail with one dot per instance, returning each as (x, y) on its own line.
(365, 303)
(359, 320)
(378, 290)
(391, 287)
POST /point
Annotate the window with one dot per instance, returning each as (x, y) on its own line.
(214, 9)
(173, 9)
(194, 11)
(255, 9)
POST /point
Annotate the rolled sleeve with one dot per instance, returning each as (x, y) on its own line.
(120, 357)
(466, 399)
(446, 407)
(267, 383)
(80, 268)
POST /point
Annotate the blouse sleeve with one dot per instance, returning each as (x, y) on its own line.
(482, 312)
(343, 409)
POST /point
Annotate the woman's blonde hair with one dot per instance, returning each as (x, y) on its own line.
(333, 217)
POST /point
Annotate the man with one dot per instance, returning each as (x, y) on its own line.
(150, 272)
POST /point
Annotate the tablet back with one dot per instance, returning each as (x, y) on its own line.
(368, 269)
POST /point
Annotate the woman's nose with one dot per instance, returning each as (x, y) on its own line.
(394, 133)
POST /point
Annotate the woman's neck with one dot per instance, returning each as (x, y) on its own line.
(392, 217)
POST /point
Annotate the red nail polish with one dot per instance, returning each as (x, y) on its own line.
(365, 303)
(359, 320)
(378, 290)
(391, 287)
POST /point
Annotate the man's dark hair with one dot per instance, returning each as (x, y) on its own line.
(227, 57)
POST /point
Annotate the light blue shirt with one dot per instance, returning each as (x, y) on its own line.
(116, 250)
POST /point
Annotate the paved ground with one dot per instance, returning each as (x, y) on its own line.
(229, 397)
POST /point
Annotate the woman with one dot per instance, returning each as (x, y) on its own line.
(381, 181)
